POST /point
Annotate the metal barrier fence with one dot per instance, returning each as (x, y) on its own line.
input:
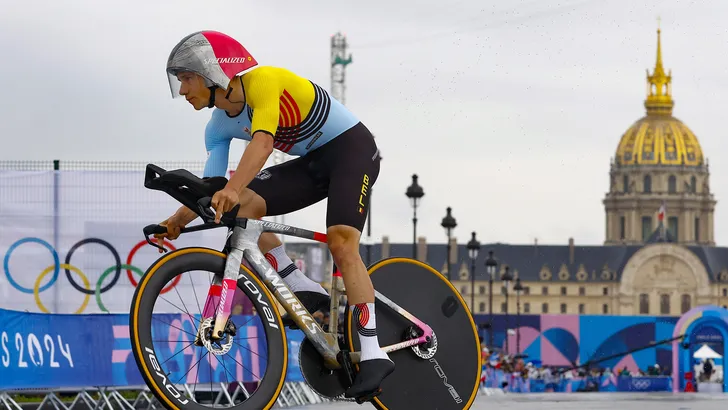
(292, 394)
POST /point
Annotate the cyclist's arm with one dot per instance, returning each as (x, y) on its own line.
(218, 150)
(263, 98)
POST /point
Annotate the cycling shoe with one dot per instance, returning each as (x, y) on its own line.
(367, 381)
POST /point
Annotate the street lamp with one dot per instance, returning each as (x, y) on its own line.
(414, 193)
(490, 268)
(507, 277)
(473, 248)
(448, 222)
(518, 288)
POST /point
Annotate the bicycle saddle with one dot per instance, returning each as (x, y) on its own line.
(182, 185)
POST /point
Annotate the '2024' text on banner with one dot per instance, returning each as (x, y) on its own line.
(54, 351)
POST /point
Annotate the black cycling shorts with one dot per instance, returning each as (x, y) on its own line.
(343, 170)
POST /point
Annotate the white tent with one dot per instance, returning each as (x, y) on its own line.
(706, 352)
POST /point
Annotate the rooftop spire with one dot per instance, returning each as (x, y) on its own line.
(659, 99)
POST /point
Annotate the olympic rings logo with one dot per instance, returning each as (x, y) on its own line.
(641, 384)
(68, 268)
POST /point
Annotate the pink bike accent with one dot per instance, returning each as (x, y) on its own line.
(227, 294)
(213, 299)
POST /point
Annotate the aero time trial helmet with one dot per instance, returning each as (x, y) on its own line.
(215, 56)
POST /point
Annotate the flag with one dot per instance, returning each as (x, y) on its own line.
(661, 212)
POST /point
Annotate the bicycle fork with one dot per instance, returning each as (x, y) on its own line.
(220, 296)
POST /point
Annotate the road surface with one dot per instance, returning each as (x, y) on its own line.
(578, 401)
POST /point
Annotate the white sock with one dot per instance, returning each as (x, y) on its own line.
(366, 325)
(294, 278)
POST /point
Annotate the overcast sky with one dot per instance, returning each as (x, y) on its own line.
(508, 111)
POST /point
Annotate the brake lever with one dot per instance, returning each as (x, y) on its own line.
(208, 215)
(154, 229)
(203, 205)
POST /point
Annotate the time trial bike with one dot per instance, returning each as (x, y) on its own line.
(422, 322)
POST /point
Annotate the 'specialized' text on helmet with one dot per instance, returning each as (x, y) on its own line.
(215, 56)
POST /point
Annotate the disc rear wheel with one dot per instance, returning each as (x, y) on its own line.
(450, 378)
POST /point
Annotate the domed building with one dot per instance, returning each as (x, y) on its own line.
(659, 256)
(659, 165)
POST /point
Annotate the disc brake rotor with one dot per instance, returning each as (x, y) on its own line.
(425, 350)
(216, 347)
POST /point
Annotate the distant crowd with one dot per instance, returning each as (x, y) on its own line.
(518, 365)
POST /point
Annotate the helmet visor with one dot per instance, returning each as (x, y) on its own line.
(174, 85)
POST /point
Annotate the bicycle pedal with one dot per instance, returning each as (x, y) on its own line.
(368, 397)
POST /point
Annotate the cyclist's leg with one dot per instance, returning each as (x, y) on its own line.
(354, 170)
(283, 189)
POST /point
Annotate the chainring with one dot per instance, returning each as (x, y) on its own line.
(325, 382)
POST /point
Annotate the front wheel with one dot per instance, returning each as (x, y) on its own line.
(450, 379)
(185, 376)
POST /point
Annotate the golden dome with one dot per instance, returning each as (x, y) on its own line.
(659, 138)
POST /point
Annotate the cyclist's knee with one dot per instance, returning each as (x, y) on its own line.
(343, 243)
(268, 241)
(252, 205)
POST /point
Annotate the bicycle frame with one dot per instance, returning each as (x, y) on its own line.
(244, 247)
(195, 194)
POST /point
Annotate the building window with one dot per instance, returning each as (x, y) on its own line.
(503, 307)
(684, 303)
(482, 290)
(646, 227)
(693, 185)
(605, 291)
(622, 227)
(665, 304)
(545, 308)
(563, 308)
(625, 184)
(582, 291)
(464, 290)
(545, 290)
(526, 290)
(725, 292)
(503, 290)
(647, 188)
(672, 226)
(644, 304)
(672, 184)
(481, 307)
(605, 309)
(697, 229)
(563, 291)
(526, 307)
(581, 308)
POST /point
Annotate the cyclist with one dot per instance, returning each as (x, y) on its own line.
(337, 158)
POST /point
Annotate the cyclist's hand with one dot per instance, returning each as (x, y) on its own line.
(173, 231)
(223, 201)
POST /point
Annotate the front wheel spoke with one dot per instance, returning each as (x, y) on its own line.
(196, 364)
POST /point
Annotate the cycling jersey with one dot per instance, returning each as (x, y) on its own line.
(300, 115)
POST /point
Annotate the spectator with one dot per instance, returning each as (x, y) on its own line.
(707, 369)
